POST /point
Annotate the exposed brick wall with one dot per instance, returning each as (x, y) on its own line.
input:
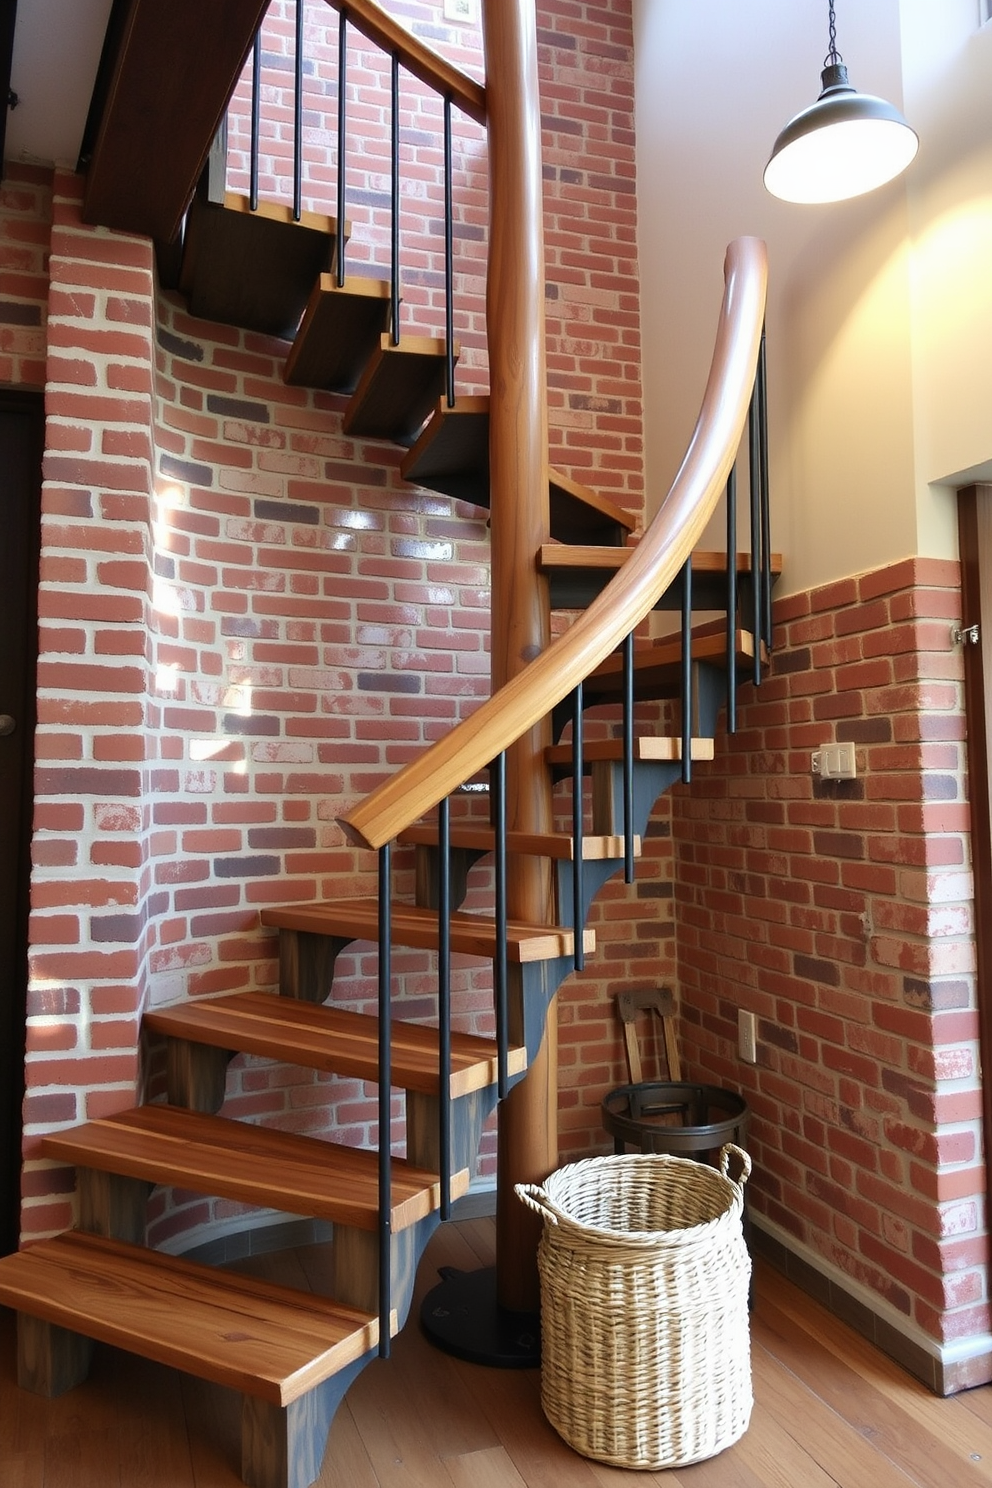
(248, 620)
(25, 228)
(841, 914)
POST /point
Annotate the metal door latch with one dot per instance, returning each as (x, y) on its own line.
(7, 725)
(964, 634)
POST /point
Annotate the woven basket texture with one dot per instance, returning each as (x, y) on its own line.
(645, 1355)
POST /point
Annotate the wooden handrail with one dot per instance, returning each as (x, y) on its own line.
(373, 22)
(672, 534)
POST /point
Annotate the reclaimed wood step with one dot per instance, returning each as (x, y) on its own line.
(251, 1164)
(340, 330)
(451, 455)
(559, 846)
(254, 1336)
(658, 666)
(335, 1040)
(398, 388)
(471, 935)
(647, 747)
(253, 269)
(577, 573)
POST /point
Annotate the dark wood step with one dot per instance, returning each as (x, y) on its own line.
(647, 748)
(559, 846)
(658, 666)
(251, 1164)
(471, 935)
(340, 330)
(398, 388)
(578, 574)
(332, 1039)
(452, 456)
(253, 269)
(265, 1340)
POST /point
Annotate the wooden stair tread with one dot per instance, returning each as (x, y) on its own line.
(658, 665)
(252, 1164)
(253, 269)
(557, 845)
(398, 388)
(471, 935)
(579, 572)
(262, 1339)
(451, 455)
(332, 1039)
(340, 330)
(647, 748)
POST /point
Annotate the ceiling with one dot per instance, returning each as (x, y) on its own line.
(57, 46)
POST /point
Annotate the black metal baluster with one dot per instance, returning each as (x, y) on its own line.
(766, 543)
(385, 1098)
(687, 709)
(298, 118)
(449, 262)
(754, 474)
(628, 758)
(394, 204)
(732, 601)
(578, 952)
(497, 785)
(342, 152)
(256, 113)
(444, 999)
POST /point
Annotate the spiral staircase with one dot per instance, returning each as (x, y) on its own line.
(293, 1355)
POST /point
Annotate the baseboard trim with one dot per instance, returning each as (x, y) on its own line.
(943, 1368)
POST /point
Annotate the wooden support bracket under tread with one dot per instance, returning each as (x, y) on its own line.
(340, 330)
(471, 935)
(451, 455)
(250, 1164)
(332, 1039)
(399, 387)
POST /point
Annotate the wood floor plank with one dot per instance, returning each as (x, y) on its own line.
(346, 1462)
(489, 1468)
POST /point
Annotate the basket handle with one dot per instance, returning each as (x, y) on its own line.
(731, 1149)
(535, 1198)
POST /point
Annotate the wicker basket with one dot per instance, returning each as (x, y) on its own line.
(646, 1358)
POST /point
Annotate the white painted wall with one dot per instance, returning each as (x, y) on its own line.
(880, 312)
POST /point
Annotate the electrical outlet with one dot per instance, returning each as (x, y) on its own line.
(747, 1036)
(834, 762)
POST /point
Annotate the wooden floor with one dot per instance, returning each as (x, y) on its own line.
(829, 1409)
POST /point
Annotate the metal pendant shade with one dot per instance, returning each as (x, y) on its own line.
(845, 144)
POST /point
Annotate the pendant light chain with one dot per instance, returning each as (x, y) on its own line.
(833, 57)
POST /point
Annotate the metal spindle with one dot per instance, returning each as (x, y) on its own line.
(578, 952)
(342, 127)
(444, 999)
(394, 205)
(732, 601)
(449, 262)
(298, 118)
(754, 472)
(497, 783)
(256, 115)
(766, 542)
(687, 709)
(385, 1097)
(628, 758)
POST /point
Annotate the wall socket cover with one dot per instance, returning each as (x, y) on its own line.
(747, 1036)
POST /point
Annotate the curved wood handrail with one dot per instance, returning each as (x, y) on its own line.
(373, 22)
(651, 568)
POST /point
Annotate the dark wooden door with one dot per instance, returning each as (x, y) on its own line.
(21, 444)
(975, 542)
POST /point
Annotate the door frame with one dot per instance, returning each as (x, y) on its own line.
(975, 546)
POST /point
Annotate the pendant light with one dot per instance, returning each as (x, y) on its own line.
(845, 144)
